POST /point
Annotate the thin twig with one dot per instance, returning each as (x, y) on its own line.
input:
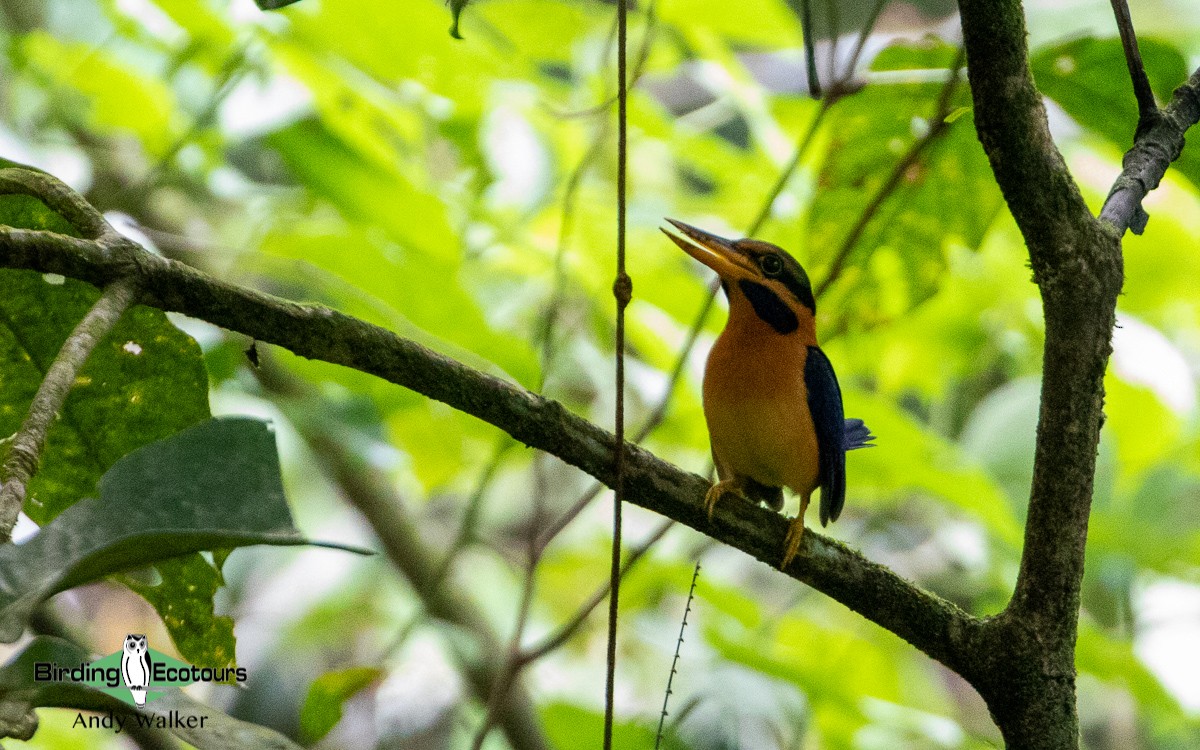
(861, 43)
(937, 126)
(1147, 107)
(810, 52)
(25, 453)
(572, 626)
(662, 717)
(622, 291)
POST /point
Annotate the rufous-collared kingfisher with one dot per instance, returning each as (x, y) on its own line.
(771, 400)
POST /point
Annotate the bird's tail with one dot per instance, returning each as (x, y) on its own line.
(858, 435)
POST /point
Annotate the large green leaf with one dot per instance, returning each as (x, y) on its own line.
(947, 196)
(143, 382)
(215, 485)
(184, 598)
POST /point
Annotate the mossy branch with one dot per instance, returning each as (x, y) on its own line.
(937, 627)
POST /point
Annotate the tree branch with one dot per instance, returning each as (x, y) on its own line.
(1077, 265)
(1147, 107)
(937, 627)
(1154, 148)
(24, 454)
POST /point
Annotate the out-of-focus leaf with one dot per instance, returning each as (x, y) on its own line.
(910, 459)
(758, 22)
(205, 26)
(103, 93)
(461, 73)
(947, 196)
(1114, 661)
(213, 485)
(390, 286)
(143, 382)
(322, 708)
(930, 53)
(566, 723)
(365, 193)
(1089, 79)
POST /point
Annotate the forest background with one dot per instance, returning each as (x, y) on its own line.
(460, 191)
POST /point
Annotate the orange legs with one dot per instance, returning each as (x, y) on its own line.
(718, 490)
(795, 533)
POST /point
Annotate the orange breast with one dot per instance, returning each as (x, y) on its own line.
(756, 404)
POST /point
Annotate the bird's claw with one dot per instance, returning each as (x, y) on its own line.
(712, 496)
(718, 491)
(791, 542)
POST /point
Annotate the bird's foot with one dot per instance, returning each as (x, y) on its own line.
(791, 542)
(716, 492)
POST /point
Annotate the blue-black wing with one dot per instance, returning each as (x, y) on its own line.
(835, 434)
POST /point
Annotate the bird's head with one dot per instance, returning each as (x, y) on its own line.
(755, 272)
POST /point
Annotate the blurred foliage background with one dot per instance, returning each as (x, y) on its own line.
(461, 192)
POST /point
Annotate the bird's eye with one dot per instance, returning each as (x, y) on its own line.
(771, 265)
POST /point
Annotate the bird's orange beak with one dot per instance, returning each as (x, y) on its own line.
(715, 252)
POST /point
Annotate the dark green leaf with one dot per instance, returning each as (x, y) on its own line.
(214, 485)
(143, 382)
(184, 600)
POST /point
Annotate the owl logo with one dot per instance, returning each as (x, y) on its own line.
(135, 667)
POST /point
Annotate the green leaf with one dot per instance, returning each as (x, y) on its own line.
(144, 381)
(401, 289)
(323, 705)
(928, 53)
(1088, 78)
(900, 257)
(567, 725)
(184, 600)
(364, 192)
(1114, 661)
(103, 93)
(214, 485)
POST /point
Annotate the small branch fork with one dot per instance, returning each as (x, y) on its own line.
(1154, 148)
(25, 450)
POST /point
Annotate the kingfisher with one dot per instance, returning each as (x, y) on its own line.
(771, 399)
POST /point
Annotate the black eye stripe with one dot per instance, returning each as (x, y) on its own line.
(769, 307)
